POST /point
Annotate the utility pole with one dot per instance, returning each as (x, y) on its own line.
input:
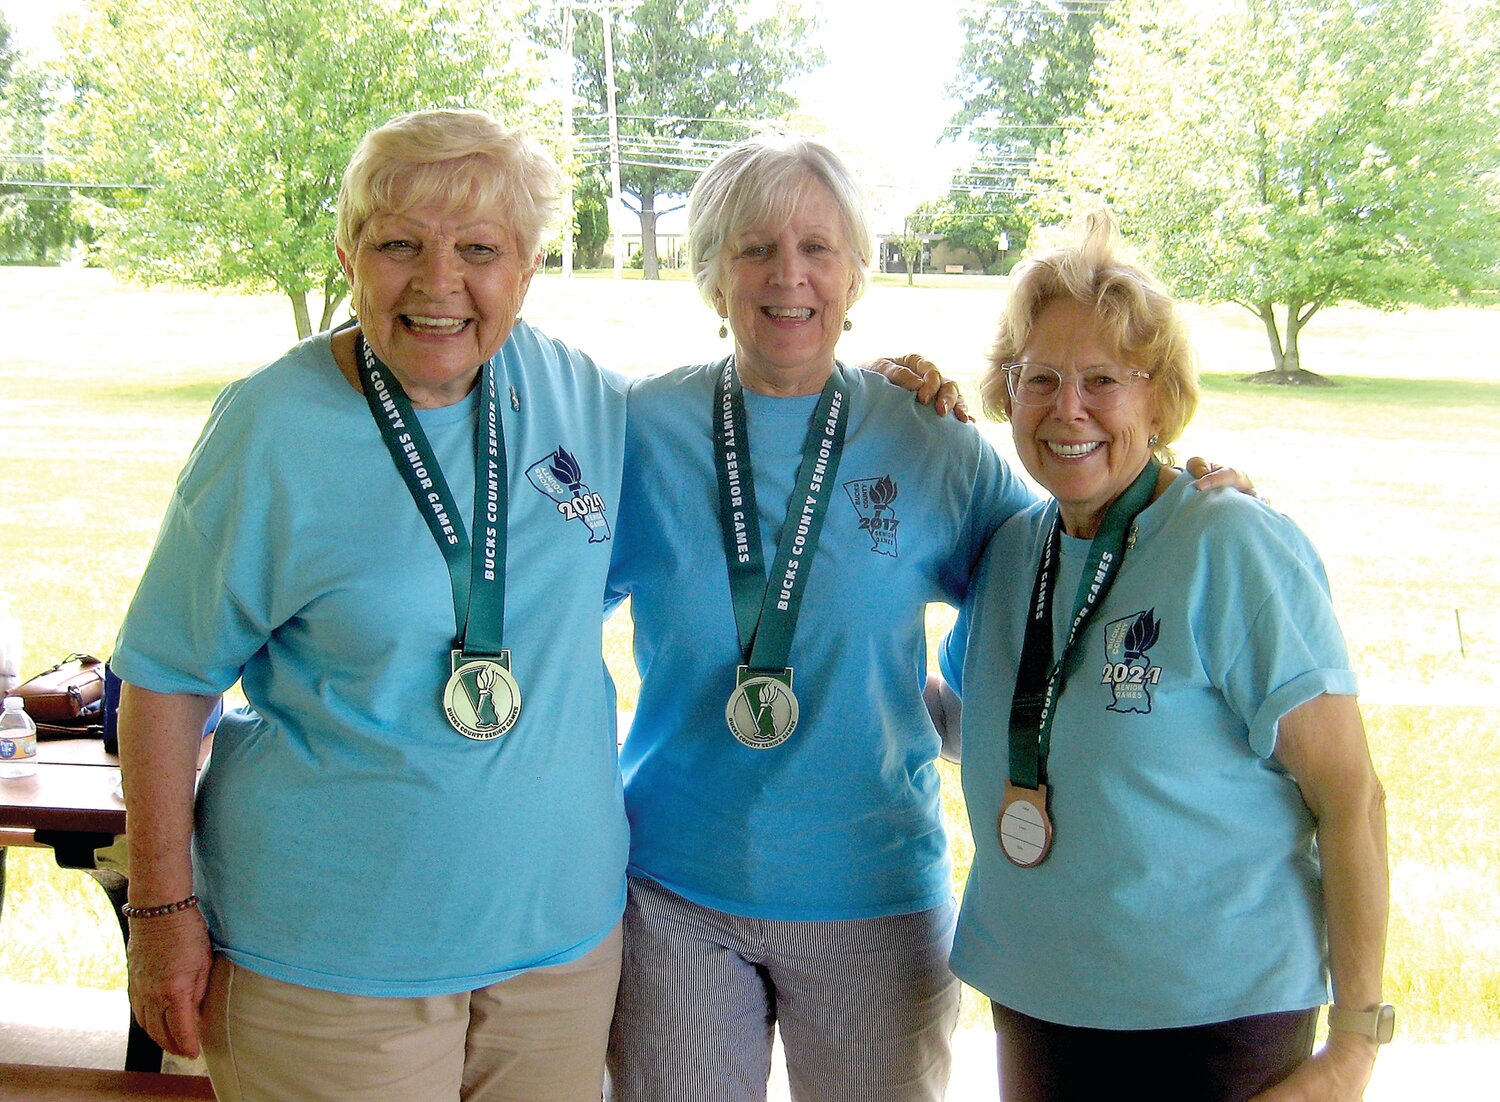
(617, 210)
(567, 142)
(605, 9)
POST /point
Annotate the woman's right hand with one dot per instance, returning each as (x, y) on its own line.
(169, 959)
(161, 735)
(1338, 1072)
(916, 373)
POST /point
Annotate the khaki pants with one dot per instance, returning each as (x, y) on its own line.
(537, 1037)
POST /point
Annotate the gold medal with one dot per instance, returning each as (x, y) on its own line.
(1025, 827)
(482, 700)
(762, 711)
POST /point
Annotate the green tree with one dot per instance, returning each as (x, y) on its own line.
(36, 220)
(590, 219)
(688, 74)
(984, 222)
(238, 117)
(911, 245)
(1024, 72)
(1285, 155)
(8, 51)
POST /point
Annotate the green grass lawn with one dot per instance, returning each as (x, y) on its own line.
(105, 388)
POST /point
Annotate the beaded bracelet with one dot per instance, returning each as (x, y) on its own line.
(156, 912)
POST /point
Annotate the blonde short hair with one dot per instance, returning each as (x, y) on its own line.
(1093, 266)
(761, 179)
(454, 158)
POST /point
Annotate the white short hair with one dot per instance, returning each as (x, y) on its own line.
(453, 158)
(761, 179)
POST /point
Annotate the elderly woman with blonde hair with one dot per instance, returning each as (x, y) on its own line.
(403, 872)
(1180, 838)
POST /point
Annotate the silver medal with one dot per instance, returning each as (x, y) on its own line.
(762, 711)
(482, 700)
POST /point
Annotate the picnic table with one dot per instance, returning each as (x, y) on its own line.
(73, 807)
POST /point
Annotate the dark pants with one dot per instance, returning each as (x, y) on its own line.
(1221, 1062)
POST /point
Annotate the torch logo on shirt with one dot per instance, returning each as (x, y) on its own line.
(874, 501)
(1128, 671)
(560, 478)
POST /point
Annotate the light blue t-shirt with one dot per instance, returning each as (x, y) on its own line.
(1182, 886)
(347, 837)
(842, 820)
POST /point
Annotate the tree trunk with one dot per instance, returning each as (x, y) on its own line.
(648, 234)
(333, 295)
(299, 311)
(1286, 356)
(330, 307)
(1266, 311)
(1291, 358)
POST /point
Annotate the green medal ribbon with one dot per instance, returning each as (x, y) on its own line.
(477, 579)
(765, 611)
(1039, 679)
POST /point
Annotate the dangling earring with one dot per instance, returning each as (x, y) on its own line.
(1155, 440)
(723, 329)
(848, 325)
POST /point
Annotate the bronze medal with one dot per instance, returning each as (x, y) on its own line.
(1025, 828)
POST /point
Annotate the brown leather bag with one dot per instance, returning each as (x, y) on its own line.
(70, 694)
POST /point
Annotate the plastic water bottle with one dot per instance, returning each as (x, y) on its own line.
(17, 740)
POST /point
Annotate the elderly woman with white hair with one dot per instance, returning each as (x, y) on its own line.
(789, 866)
(403, 874)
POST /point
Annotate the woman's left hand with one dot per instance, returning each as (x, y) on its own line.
(1211, 476)
(1337, 1072)
(916, 373)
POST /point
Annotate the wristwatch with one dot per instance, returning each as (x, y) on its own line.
(1378, 1024)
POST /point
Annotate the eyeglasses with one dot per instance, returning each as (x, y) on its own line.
(1097, 388)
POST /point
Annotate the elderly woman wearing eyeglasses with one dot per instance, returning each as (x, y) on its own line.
(1179, 834)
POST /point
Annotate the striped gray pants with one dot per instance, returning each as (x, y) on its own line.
(866, 1007)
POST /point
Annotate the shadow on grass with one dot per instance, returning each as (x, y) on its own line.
(1347, 389)
(191, 394)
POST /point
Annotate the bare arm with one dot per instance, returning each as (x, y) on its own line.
(160, 734)
(1322, 744)
(947, 712)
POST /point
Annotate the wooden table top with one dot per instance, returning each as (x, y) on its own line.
(35, 1083)
(76, 788)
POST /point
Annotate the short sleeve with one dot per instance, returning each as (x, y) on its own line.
(188, 630)
(185, 631)
(999, 494)
(1290, 647)
(955, 646)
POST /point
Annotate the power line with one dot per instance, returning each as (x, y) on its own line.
(747, 123)
(77, 187)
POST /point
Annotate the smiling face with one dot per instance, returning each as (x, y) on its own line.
(437, 292)
(785, 290)
(1084, 458)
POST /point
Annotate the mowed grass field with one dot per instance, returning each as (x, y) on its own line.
(104, 387)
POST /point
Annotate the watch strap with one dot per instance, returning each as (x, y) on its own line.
(1378, 1024)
